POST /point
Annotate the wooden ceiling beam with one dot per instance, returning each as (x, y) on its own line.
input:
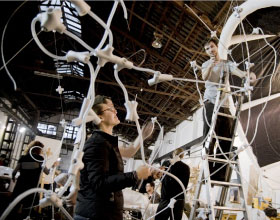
(163, 59)
(172, 115)
(130, 16)
(146, 17)
(202, 16)
(173, 32)
(164, 34)
(108, 82)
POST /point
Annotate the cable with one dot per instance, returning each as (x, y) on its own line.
(2, 45)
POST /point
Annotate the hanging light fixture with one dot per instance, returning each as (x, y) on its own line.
(157, 42)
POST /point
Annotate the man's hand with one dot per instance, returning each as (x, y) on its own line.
(71, 199)
(143, 172)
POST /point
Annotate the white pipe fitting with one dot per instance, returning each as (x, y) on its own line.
(158, 77)
(50, 198)
(50, 20)
(92, 116)
(76, 163)
(72, 56)
(131, 110)
(106, 55)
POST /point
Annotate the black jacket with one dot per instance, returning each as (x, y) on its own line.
(170, 187)
(102, 179)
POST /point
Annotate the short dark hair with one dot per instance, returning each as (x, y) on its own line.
(99, 99)
(178, 151)
(32, 144)
(152, 184)
(212, 39)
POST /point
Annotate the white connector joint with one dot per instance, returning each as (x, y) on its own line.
(72, 56)
(76, 163)
(50, 20)
(50, 198)
(249, 65)
(90, 117)
(131, 109)
(158, 77)
(106, 55)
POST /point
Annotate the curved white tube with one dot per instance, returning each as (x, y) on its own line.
(39, 161)
(155, 168)
(23, 195)
(121, 85)
(105, 26)
(79, 40)
(247, 8)
(33, 23)
(144, 69)
(18, 199)
(124, 9)
(79, 148)
(81, 7)
(141, 137)
(236, 39)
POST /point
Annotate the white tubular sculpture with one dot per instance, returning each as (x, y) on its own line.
(158, 77)
(236, 39)
(81, 6)
(51, 21)
(234, 20)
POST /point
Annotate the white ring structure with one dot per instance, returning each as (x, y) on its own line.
(248, 7)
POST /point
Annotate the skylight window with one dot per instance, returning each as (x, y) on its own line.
(73, 95)
(69, 14)
(71, 132)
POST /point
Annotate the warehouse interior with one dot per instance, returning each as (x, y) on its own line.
(164, 36)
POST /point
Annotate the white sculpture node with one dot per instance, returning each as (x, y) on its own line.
(59, 90)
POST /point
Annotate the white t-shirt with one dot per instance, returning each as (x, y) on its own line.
(211, 90)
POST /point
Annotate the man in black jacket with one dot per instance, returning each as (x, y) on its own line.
(102, 179)
(171, 188)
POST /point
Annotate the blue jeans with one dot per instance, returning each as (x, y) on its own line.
(78, 217)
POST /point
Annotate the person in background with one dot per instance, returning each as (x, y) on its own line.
(171, 188)
(141, 185)
(30, 168)
(153, 196)
(3, 160)
(102, 178)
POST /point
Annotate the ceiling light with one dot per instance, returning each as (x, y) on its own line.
(157, 42)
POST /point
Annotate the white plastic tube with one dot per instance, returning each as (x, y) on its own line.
(121, 85)
(141, 138)
(155, 168)
(203, 82)
(79, 40)
(144, 69)
(23, 195)
(18, 199)
(106, 27)
(33, 23)
(247, 8)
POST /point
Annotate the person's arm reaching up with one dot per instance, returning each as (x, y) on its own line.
(131, 150)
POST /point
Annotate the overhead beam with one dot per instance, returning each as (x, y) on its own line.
(108, 82)
(202, 17)
(163, 59)
(166, 35)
